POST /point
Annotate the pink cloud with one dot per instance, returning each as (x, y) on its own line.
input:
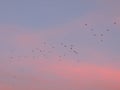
(4, 86)
(72, 75)
(47, 75)
(26, 40)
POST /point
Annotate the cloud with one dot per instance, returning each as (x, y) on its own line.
(4, 86)
(51, 75)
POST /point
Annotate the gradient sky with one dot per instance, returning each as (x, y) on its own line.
(59, 45)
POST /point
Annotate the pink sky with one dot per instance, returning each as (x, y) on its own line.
(60, 45)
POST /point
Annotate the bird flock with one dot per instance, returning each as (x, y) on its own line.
(100, 34)
(46, 50)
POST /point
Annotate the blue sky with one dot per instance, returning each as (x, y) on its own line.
(44, 13)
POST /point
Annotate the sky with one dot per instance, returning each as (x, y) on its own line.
(59, 45)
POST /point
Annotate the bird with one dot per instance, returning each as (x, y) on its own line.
(85, 24)
(75, 51)
(11, 57)
(92, 29)
(101, 40)
(101, 34)
(114, 23)
(108, 30)
(65, 46)
(32, 50)
(53, 47)
(71, 48)
(94, 35)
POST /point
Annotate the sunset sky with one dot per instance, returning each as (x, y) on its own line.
(59, 45)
